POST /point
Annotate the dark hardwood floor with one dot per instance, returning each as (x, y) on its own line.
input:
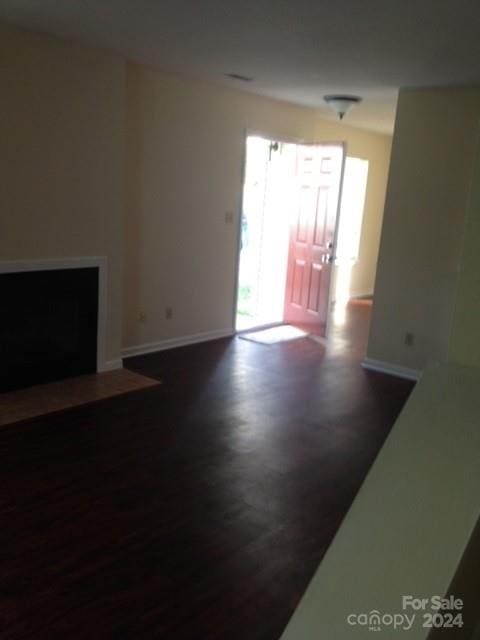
(198, 509)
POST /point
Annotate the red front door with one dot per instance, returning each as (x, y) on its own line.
(312, 235)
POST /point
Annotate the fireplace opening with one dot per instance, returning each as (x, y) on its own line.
(48, 325)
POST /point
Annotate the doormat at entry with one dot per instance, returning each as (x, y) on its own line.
(283, 333)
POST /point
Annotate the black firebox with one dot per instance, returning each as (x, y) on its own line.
(48, 325)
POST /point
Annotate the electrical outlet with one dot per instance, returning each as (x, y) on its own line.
(168, 313)
(229, 217)
(409, 339)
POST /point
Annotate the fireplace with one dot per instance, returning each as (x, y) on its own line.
(48, 324)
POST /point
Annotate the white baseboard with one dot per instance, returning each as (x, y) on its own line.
(112, 365)
(172, 343)
(358, 294)
(361, 294)
(391, 369)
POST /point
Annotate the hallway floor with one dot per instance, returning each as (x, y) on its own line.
(197, 509)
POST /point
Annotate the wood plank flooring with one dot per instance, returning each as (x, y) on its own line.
(197, 509)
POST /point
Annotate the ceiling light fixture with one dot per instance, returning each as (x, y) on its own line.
(342, 104)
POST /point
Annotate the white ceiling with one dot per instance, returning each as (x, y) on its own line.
(296, 50)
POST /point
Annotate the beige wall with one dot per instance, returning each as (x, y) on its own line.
(464, 345)
(185, 153)
(62, 157)
(82, 138)
(364, 271)
(431, 166)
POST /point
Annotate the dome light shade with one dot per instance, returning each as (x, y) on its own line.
(342, 104)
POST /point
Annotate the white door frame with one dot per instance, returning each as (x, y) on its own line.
(287, 140)
(335, 242)
(271, 138)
